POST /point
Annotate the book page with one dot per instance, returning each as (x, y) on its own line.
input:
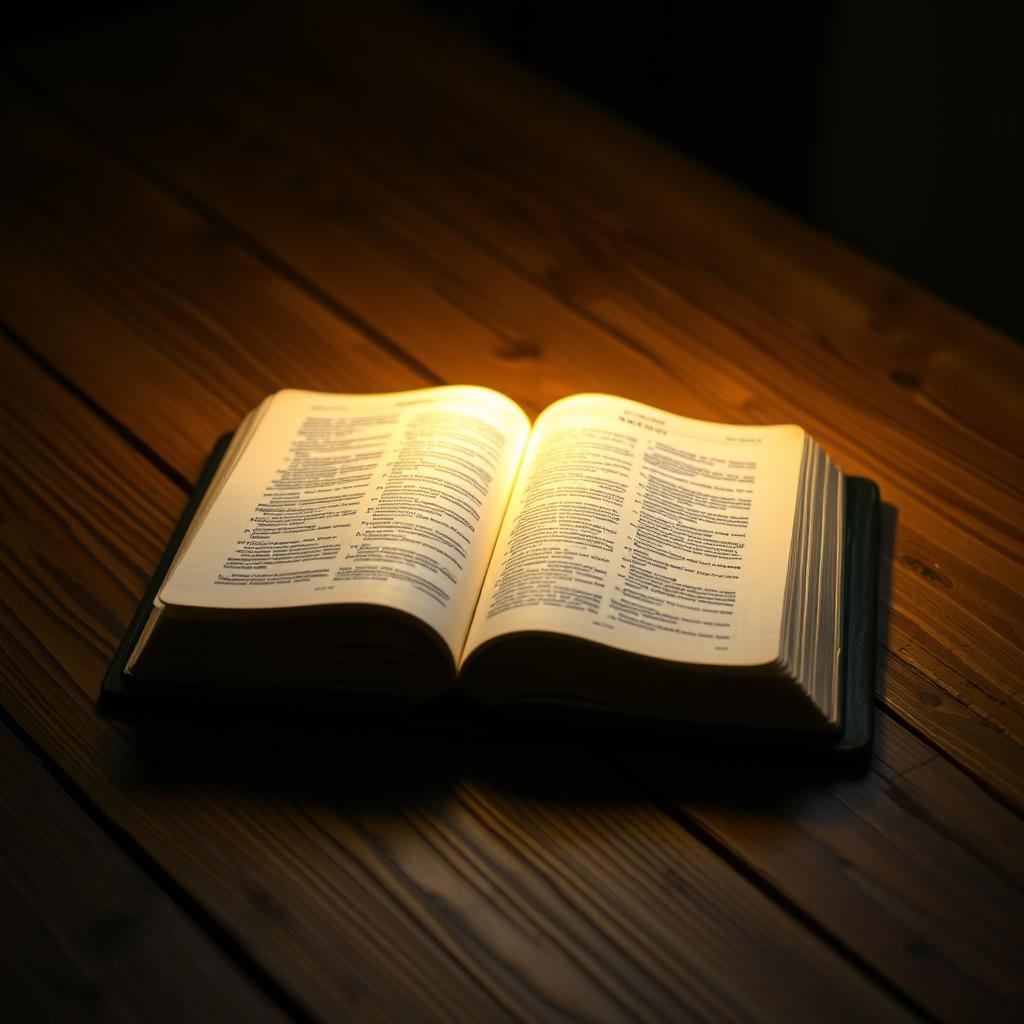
(651, 532)
(391, 499)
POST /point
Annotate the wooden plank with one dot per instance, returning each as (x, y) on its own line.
(482, 289)
(978, 745)
(900, 845)
(368, 877)
(86, 935)
(159, 311)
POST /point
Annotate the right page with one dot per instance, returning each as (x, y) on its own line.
(649, 532)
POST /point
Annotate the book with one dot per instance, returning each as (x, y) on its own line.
(611, 559)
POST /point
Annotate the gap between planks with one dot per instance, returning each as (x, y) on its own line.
(191, 202)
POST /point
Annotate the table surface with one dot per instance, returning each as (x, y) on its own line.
(197, 210)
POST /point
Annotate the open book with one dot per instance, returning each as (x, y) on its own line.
(612, 557)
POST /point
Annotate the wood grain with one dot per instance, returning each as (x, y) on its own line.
(158, 307)
(367, 872)
(889, 861)
(486, 259)
(399, 208)
(814, 873)
(86, 936)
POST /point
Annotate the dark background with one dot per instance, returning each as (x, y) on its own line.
(894, 126)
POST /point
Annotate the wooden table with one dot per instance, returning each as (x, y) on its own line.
(197, 210)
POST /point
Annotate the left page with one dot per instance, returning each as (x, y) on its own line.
(388, 499)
